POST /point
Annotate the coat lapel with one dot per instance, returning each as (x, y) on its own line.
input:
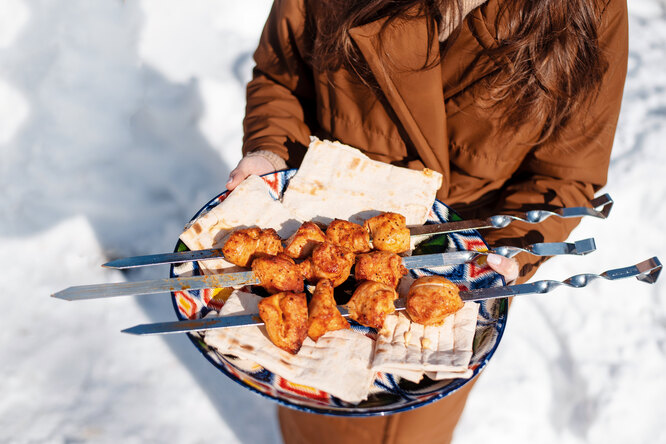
(415, 94)
(467, 64)
(418, 95)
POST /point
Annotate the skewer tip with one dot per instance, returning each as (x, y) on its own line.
(132, 330)
(116, 263)
(62, 294)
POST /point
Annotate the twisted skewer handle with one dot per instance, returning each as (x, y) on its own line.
(601, 207)
(646, 271)
(580, 247)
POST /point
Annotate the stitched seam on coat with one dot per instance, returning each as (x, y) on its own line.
(556, 166)
(356, 124)
(456, 148)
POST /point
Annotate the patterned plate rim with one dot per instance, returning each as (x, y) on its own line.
(452, 387)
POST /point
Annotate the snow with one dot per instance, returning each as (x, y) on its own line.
(118, 120)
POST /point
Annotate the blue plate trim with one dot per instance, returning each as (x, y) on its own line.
(392, 389)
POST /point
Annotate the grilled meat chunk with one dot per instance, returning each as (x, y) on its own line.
(389, 232)
(379, 266)
(328, 261)
(286, 318)
(431, 299)
(246, 244)
(278, 273)
(349, 235)
(306, 238)
(323, 313)
(370, 304)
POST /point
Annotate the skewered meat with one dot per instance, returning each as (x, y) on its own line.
(431, 299)
(349, 235)
(286, 318)
(389, 232)
(370, 304)
(246, 244)
(301, 243)
(379, 266)
(323, 313)
(328, 261)
(278, 273)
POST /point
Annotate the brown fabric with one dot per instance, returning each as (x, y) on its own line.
(433, 118)
(431, 424)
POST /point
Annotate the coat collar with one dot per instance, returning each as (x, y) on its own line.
(415, 94)
(418, 95)
(469, 64)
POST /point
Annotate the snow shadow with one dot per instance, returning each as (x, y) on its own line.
(108, 137)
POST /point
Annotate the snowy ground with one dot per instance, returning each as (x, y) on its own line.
(118, 120)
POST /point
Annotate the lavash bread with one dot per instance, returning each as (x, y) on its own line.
(406, 348)
(338, 363)
(334, 181)
(338, 181)
(249, 205)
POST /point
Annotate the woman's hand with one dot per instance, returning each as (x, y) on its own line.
(249, 165)
(505, 266)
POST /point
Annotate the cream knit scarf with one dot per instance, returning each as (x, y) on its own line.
(449, 25)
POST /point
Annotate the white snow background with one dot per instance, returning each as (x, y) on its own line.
(119, 120)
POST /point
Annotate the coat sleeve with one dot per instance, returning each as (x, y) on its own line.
(280, 97)
(568, 172)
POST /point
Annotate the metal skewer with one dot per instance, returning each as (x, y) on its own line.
(601, 207)
(98, 291)
(647, 271)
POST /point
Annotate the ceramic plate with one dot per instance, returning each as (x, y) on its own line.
(390, 394)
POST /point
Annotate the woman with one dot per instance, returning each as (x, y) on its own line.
(514, 102)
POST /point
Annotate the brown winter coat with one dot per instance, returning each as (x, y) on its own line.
(432, 118)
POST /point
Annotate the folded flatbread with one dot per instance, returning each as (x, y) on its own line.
(338, 363)
(409, 350)
(334, 181)
(248, 205)
(338, 181)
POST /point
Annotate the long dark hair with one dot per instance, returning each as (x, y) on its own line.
(548, 49)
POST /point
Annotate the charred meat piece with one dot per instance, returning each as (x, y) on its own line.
(278, 273)
(323, 313)
(379, 266)
(431, 299)
(389, 232)
(301, 243)
(370, 304)
(328, 261)
(349, 235)
(246, 244)
(286, 318)
(307, 273)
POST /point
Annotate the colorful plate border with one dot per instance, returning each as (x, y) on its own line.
(390, 395)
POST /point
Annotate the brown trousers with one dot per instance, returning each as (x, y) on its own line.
(431, 424)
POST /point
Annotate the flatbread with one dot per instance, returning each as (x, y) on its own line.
(248, 205)
(334, 181)
(404, 347)
(338, 363)
(338, 181)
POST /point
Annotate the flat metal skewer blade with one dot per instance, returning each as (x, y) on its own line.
(157, 286)
(195, 325)
(212, 323)
(165, 258)
(580, 247)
